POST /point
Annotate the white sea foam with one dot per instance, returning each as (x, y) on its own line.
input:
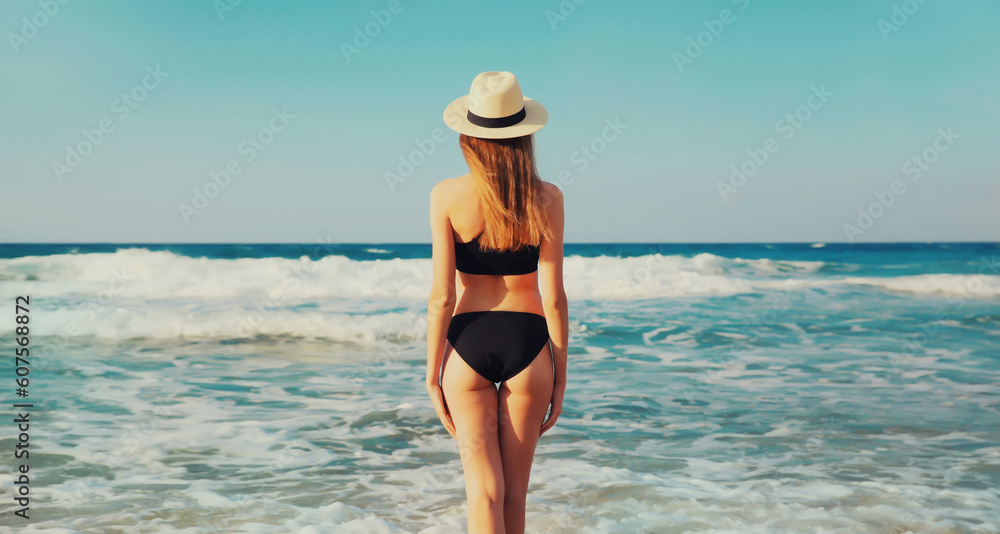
(141, 273)
(158, 294)
(255, 441)
(126, 320)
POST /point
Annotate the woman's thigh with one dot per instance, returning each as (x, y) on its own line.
(473, 403)
(524, 401)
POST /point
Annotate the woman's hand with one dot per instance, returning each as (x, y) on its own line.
(437, 397)
(556, 402)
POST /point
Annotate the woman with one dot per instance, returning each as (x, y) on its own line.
(501, 228)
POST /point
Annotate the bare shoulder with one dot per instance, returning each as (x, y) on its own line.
(442, 191)
(552, 188)
(450, 186)
(552, 196)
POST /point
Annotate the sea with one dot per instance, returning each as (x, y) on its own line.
(711, 388)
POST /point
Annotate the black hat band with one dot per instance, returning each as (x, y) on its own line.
(500, 122)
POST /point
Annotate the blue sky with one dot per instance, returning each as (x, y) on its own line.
(310, 132)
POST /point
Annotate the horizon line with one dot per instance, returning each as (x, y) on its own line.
(564, 243)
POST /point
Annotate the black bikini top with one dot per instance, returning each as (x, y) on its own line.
(472, 259)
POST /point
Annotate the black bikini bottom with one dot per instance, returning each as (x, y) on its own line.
(498, 344)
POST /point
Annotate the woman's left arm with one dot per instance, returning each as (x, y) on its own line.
(441, 303)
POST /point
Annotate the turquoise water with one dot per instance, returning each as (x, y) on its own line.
(753, 388)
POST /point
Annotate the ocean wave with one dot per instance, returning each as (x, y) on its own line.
(159, 294)
(138, 273)
(232, 324)
(950, 285)
(141, 273)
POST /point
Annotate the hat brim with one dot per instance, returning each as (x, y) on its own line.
(456, 117)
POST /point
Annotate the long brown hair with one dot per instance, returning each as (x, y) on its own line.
(510, 191)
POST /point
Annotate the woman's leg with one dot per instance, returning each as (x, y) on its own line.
(524, 401)
(472, 402)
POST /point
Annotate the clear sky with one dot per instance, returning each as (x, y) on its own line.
(115, 113)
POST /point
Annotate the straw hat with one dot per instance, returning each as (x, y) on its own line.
(495, 109)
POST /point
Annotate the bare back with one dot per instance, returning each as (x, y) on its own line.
(476, 292)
